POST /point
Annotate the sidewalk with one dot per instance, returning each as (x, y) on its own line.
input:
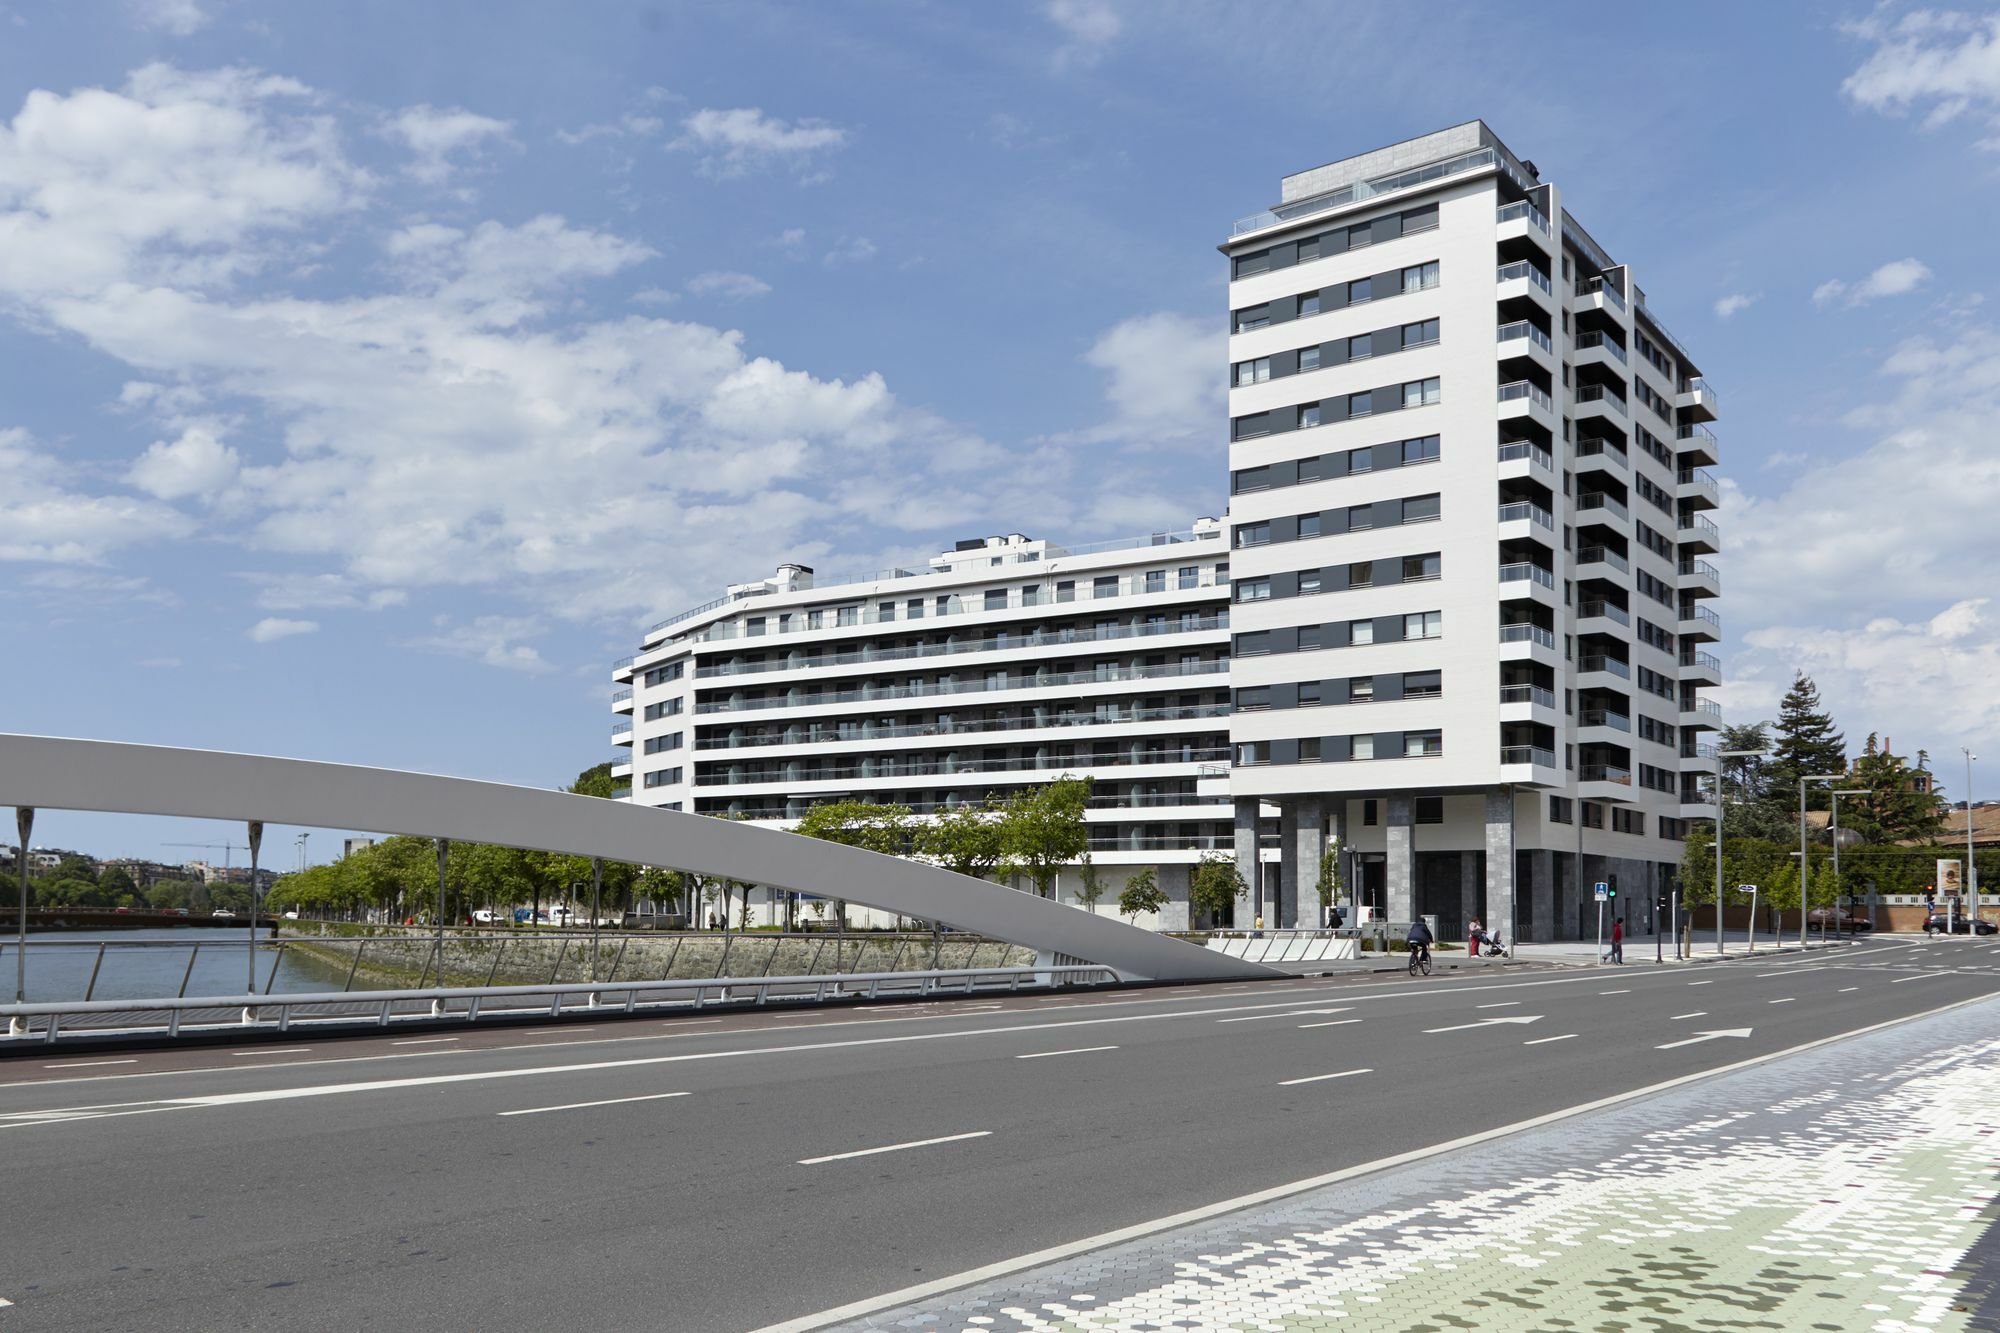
(1845, 1188)
(1640, 950)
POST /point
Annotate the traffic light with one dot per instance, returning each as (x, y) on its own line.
(1611, 892)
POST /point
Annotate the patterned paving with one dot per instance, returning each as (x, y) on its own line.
(1841, 1189)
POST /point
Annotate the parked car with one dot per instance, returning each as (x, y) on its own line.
(1962, 925)
(1838, 919)
(486, 916)
(223, 914)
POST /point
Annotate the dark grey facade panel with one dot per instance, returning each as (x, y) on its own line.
(1284, 751)
(1389, 685)
(1388, 744)
(1388, 399)
(1388, 629)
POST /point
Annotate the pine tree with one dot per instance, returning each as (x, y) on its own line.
(1806, 744)
(1896, 808)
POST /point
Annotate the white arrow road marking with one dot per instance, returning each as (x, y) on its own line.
(1705, 1036)
(1487, 1022)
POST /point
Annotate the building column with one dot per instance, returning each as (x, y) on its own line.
(1279, 896)
(1172, 878)
(1246, 855)
(1500, 913)
(1468, 887)
(1541, 897)
(1350, 893)
(1399, 841)
(1308, 846)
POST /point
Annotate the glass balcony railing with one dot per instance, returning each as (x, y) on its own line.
(1520, 390)
(619, 697)
(1694, 657)
(1521, 328)
(1521, 268)
(1599, 287)
(1597, 393)
(1513, 451)
(1699, 385)
(1379, 185)
(1696, 523)
(1528, 571)
(1527, 754)
(1602, 555)
(1705, 707)
(1702, 614)
(1523, 209)
(1527, 633)
(1616, 773)
(931, 765)
(1609, 450)
(1607, 610)
(1526, 511)
(864, 730)
(1594, 341)
(622, 728)
(1538, 695)
(1030, 681)
(622, 663)
(1590, 502)
(1700, 569)
(1603, 717)
(1609, 665)
(985, 644)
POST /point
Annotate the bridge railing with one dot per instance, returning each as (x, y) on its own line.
(45, 1021)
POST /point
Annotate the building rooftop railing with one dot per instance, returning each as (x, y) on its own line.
(1379, 185)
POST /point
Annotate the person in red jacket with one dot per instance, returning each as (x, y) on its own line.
(1618, 940)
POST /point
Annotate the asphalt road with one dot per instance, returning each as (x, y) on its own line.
(725, 1173)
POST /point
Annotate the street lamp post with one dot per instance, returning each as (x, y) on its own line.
(24, 824)
(1971, 871)
(1833, 826)
(1804, 778)
(1721, 801)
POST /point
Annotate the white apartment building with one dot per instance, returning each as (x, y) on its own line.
(1468, 529)
(1002, 663)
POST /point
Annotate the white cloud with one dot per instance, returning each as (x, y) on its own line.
(45, 516)
(433, 134)
(272, 628)
(1088, 26)
(627, 126)
(726, 286)
(1944, 58)
(299, 592)
(181, 18)
(850, 250)
(1898, 277)
(792, 240)
(734, 141)
(493, 640)
(195, 464)
(1735, 304)
(1164, 382)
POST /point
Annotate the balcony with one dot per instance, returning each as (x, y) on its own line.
(1533, 696)
(621, 702)
(1699, 578)
(1524, 399)
(623, 793)
(1698, 622)
(1522, 278)
(933, 765)
(1594, 349)
(1698, 487)
(1008, 681)
(1526, 451)
(622, 668)
(1597, 507)
(1698, 445)
(1703, 713)
(869, 654)
(1526, 571)
(1518, 338)
(867, 731)
(1601, 610)
(1601, 455)
(1603, 717)
(1597, 400)
(1696, 399)
(1526, 511)
(1592, 561)
(1698, 534)
(1700, 755)
(621, 729)
(1613, 775)
(1526, 215)
(1525, 632)
(1700, 668)
(1597, 294)
(1600, 664)
(1538, 756)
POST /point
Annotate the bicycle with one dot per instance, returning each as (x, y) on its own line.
(1420, 958)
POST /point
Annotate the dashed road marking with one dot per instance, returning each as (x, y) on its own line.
(894, 1147)
(1321, 1078)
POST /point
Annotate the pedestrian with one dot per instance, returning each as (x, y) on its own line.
(1618, 940)
(1474, 935)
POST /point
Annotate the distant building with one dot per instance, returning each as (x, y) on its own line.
(349, 846)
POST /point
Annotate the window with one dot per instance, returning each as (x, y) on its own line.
(1308, 526)
(665, 708)
(1559, 810)
(662, 674)
(1423, 624)
(1419, 276)
(1429, 810)
(1252, 699)
(1253, 372)
(1422, 744)
(1249, 754)
(944, 605)
(1156, 580)
(1420, 508)
(1309, 694)
(665, 777)
(1423, 684)
(1360, 347)
(996, 599)
(1105, 585)
(1361, 574)
(1360, 404)
(1420, 333)
(1308, 582)
(1308, 304)
(1361, 690)
(1256, 317)
(658, 744)
(1253, 590)
(1593, 815)
(1308, 358)
(1190, 576)
(1031, 594)
(1309, 750)
(1308, 249)
(1420, 393)
(1361, 631)
(1424, 450)
(1369, 814)
(1308, 414)
(1255, 644)
(1419, 567)
(913, 609)
(1362, 747)
(1066, 590)
(1252, 534)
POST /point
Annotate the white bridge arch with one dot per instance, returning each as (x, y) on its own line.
(56, 773)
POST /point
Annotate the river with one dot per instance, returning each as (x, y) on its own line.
(149, 964)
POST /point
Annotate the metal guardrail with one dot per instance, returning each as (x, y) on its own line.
(469, 1002)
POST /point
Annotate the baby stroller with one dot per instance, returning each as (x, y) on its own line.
(1486, 944)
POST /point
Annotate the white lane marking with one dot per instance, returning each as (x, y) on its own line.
(1783, 972)
(1614, 992)
(609, 1101)
(1540, 1041)
(1787, 1000)
(1296, 1013)
(894, 1147)
(1498, 1004)
(1331, 1023)
(1921, 976)
(90, 1064)
(1844, 989)
(1701, 983)
(282, 1050)
(1700, 1037)
(1699, 1013)
(1074, 1050)
(1486, 1022)
(422, 1041)
(936, 1286)
(1321, 1078)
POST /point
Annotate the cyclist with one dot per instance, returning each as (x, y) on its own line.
(1420, 943)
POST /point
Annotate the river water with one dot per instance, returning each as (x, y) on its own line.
(149, 964)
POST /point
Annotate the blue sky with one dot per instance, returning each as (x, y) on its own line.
(372, 373)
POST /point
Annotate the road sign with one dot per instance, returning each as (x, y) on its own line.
(1746, 888)
(1602, 896)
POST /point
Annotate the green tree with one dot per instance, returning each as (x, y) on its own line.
(1895, 809)
(1806, 744)
(968, 839)
(1043, 830)
(1142, 893)
(1697, 873)
(1214, 885)
(117, 881)
(1091, 889)
(876, 828)
(594, 781)
(1328, 885)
